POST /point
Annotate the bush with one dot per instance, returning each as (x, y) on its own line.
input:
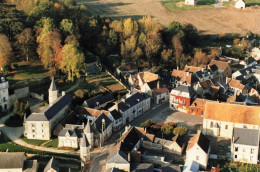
(147, 124)
(14, 121)
(181, 130)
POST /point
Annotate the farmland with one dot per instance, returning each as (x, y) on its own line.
(208, 21)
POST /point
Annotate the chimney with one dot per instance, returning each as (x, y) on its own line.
(177, 67)
(103, 125)
(129, 157)
(126, 128)
(63, 93)
(158, 84)
(199, 131)
(116, 105)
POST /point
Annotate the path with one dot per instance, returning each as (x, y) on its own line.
(14, 134)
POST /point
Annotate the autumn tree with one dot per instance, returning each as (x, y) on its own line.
(67, 27)
(73, 61)
(147, 124)
(167, 58)
(167, 129)
(27, 43)
(178, 51)
(180, 130)
(200, 58)
(6, 52)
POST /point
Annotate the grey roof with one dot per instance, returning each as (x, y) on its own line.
(97, 124)
(131, 101)
(213, 68)
(116, 115)
(171, 168)
(72, 133)
(52, 164)
(99, 99)
(30, 166)
(11, 160)
(141, 167)
(37, 117)
(118, 157)
(246, 136)
(53, 86)
(153, 84)
(185, 88)
(84, 142)
(206, 72)
(204, 142)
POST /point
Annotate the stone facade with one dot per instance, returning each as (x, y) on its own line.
(4, 94)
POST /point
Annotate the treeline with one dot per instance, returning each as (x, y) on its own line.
(65, 37)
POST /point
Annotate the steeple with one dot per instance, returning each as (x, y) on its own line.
(53, 85)
(87, 129)
(84, 142)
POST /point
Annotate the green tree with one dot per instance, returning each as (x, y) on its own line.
(180, 130)
(167, 129)
(67, 27)
(27, 43)
(27, 110)
(16, 107)
(147, 124)
(73, 61)
(21, 110)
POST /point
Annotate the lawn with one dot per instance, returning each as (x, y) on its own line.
(53, 143)
(175, 5)
(33, 142)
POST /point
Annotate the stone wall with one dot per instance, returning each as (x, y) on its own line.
(21, 92)
(37, 96)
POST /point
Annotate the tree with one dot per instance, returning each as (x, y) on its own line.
(178, 51)
(73, 61)
(27, 109)
(67, 27)
(147, 124)
(16, 107)
(167, 129)
(21, 110)
(180, 130)
(200, 58)
(6, 52)
(27, 43)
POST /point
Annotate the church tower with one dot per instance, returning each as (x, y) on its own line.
(53, 92)
(88, 131)
(84, 150)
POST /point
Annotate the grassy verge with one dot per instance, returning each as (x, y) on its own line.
(33, 142)
(53, 143)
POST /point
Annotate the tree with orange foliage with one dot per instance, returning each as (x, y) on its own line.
(6, 52)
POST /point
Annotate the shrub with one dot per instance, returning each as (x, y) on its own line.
(181, 130)
(167, 129)
(147, 124)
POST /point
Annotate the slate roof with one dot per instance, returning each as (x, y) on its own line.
(71, 132)
(53, 85)
(52, 164)
(178, 140)
(92, 102)
(246, 136)
(171, 168)
(213, 67)
(116, 115)
(205, 72)
(118, 157)
(232, 113)
(131, 101)
(11, 160)
(202, 141)
(37, 117)
(129, 140)
(185, 89)
(141, 167)
(97, 123)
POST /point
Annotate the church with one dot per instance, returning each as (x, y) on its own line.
(40, 125)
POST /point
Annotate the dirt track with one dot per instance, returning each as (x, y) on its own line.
(209, 21)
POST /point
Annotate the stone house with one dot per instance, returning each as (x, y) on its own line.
(141, 78)
(84, 150)
(52, 166)
(99, 101)
(236, 87)
(198, 150)
(117, 119)
(40, 125)
(16, 162)
(204, 74)
(155, 89)
(181, 97)
(118, 160)
(245, 145)
(240, 4)
(207, 88)
(223, 67)
(4, 94)
(191, 2)
(127, 69)
(221, 118)
(180, 77)
(198, 106)
(133, 106)
(191, 69)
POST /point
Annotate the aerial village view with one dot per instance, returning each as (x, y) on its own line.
(129, 85)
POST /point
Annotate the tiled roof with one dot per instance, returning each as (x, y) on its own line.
(232, 113)
(93, 112)
(222, 65)
(11, 160)
(148, 76)
(209, 85)
(119, 157)
(160, 90)
(192, 69)
(182, 76)
(202, 141)
(200, 103)
(52, 164)
(235, 84)
(246, 136)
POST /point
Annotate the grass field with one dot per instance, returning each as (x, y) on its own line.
(53, 143)
(33, 142)
(209, 20)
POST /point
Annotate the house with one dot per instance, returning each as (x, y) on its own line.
(191, 2)
(206, 88)
(133, 106)
(236, 87)
(127, 69)
(247, 74)
(141, 78)
(52, 166)
(40, 125)
(16, 161)
(181, 97)
(221, 118)
(255, 53)
(155, 89)
(99, 101)
(4, 94)
(245, 145)
(142, 167)
(117, 119)
(198, 106)
(191, 69)
(93, 68)
(204, 74)
(177, 145)
(118, 160)
(198, 150)
(223, 67)
(180, 77)
(84, 150)
(240, 4)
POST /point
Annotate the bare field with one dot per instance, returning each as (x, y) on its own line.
(208, 21)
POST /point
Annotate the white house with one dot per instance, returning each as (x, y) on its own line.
(255, 53)
(117, 119)
(198, 150)
(118, 160)
(245, 145)
(221, 118)
(141, 78)
(40, 125)
(191, 2)
(240, 4)
(4, 94)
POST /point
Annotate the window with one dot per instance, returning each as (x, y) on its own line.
(211, 125)
(226, 127)
(244, 126)
(252, 151)
(244, 150)
(197, 158)
(235, 156)
(33, 130)
(251, 158)
(236, 149)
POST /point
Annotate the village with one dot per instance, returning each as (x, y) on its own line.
(190, 120)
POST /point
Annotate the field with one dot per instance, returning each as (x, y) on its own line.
(208, 20)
